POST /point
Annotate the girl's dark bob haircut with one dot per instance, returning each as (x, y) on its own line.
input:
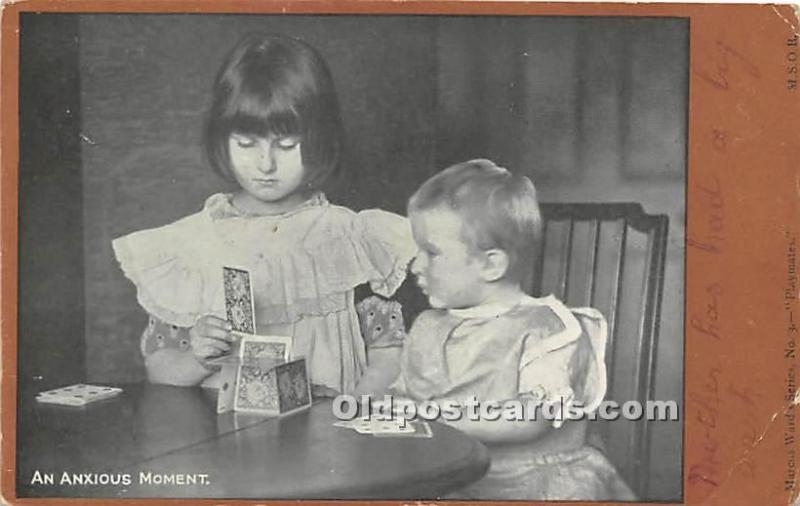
(281, 86)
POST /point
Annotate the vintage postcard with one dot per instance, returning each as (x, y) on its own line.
(559, 238)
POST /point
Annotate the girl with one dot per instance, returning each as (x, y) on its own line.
(274, 128)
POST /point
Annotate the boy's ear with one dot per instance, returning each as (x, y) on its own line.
(495, 265)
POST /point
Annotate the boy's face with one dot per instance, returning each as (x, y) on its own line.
(446, 268)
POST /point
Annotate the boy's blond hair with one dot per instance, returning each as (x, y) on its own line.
(497, 210)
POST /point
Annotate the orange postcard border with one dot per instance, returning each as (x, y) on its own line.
(744, 143)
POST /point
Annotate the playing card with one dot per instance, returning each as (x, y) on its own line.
(256, 348)
(267, 387)
(392, 428)
(223, 360)
(256, 390)
(378, 426)
(294, 389)
(239, 300)
(418, 429)
(364, 426)
(227, 387)
(77, 395)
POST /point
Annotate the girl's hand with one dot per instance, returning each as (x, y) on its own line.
(210, 337)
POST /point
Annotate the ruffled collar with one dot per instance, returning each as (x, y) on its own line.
(220, 206)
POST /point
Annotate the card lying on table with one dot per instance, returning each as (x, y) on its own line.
(77, 395)
(419, 428)
(388, 428)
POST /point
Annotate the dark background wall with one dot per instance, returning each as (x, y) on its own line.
(51, 296)
(592, 109)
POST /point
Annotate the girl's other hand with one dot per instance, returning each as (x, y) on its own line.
(210, 337)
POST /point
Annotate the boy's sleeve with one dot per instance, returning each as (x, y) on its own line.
(568, 366)
(547, 378)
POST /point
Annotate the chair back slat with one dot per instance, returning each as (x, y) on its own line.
(536, 282)
(616, 295)
(651, 318)
(594, 252)
(584, 260)
(641, 367)
(566, 263)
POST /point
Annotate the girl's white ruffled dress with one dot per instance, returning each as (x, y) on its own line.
(304, 266)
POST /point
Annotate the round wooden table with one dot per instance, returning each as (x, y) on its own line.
(169, 442)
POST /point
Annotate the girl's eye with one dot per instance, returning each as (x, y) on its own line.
(288, 143)
(244, 142)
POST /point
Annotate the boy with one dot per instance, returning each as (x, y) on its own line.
(476, 226)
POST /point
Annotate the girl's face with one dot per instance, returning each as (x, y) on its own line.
(269, 169)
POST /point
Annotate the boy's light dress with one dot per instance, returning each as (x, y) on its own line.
(534, 348)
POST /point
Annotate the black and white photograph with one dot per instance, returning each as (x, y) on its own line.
(470, 229)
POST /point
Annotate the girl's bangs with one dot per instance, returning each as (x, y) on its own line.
(255, 117)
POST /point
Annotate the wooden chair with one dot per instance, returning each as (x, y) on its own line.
(611, 256)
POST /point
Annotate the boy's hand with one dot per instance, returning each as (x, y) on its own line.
(383, 366)
(210, 337)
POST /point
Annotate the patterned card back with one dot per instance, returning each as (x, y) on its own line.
(239, 307)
